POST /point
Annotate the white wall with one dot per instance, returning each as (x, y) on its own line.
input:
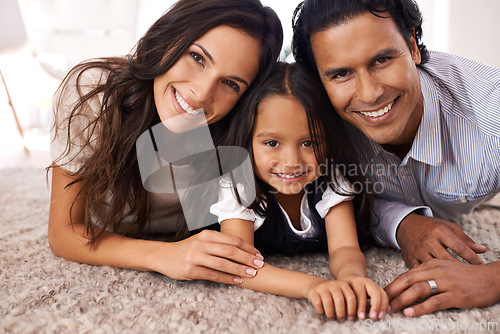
(463, 27)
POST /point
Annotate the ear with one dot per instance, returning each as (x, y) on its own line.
(415, 52)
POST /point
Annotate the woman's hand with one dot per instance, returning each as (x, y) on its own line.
(208, 255)
(379, 300)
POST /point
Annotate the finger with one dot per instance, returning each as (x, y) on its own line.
(214, 276)
(384, 302)
(413, 262)
(435, 303)
(361, 302)
(375, 303)
(221, 238)
(460, 244)
(465, 252)
(351, 303)
(226, 266)
(442, 253)
(418, 291)
(241, 260)
(404, 281)
(378, 300)
(477, 248)
(340, 307)
(316, 302)
(328, 305)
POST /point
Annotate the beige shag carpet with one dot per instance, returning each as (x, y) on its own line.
(40, 293)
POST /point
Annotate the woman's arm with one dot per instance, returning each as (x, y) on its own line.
(208, 255)
(347, 262)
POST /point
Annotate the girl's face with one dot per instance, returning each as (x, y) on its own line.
(282, 147)
(209, 78)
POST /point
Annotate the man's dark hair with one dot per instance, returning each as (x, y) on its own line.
(312, 16)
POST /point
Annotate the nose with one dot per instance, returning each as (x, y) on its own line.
(369, 89)
(203, 89)
(290, 157)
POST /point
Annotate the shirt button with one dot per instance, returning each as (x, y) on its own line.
(462, 199)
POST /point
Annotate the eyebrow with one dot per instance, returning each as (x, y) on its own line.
(384, 53)
(209, 56)
(267, 134)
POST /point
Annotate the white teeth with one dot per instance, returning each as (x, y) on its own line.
(186, 106)
(288, 176)
(378, 113)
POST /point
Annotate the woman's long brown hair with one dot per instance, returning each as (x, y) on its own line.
(111, 186)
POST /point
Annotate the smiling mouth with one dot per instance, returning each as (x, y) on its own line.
(185, 106)
(380, 112)
(289, 176)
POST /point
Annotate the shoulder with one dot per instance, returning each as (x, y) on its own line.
(465, 88)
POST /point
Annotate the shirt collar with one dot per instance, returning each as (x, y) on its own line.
(426, 146)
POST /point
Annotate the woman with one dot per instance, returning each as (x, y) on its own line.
(200, 55)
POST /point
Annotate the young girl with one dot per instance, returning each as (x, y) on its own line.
(301, 205)
(200, 56)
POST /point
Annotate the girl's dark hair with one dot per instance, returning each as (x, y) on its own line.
(128, 109)
(312, 16)
(334, 152)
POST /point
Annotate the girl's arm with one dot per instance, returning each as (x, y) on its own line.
(347, 262)
(270, 279)
(207, 255)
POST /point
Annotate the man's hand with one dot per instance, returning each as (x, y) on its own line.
(424, 238)
(459, 285)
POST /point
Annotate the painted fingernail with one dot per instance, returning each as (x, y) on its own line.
(381, 315)
(350, 318)
(259, 256)
(389, 309)
(373, 315)
(258, 263)
(237, 280)
(361, 315)
(251, 272)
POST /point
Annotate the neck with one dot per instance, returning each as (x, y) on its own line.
(291, 204)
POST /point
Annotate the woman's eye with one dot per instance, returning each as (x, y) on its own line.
(233, 85)
(271, 143)
(196, 56)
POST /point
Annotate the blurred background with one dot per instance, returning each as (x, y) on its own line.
(40, 40)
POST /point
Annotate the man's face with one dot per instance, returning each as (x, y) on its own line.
(371, 77)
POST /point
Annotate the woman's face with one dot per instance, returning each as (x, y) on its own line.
(209, 78)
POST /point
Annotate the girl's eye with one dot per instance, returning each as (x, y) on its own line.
(233, 85)
(197, 57)
(307, 143)
(271, 143)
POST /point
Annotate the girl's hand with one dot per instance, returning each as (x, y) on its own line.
(333, 298)
(208, 255)
(379, 300)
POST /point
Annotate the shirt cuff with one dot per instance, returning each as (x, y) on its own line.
(390, 215)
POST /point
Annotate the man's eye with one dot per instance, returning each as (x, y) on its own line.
(271, 143)
(382, 60)
(340, 74)
(233, 85)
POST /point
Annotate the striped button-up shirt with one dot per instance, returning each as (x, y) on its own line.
(454, 162)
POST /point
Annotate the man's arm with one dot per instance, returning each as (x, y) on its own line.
(419, 236)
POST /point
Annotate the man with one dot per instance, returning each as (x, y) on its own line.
(427, 125)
